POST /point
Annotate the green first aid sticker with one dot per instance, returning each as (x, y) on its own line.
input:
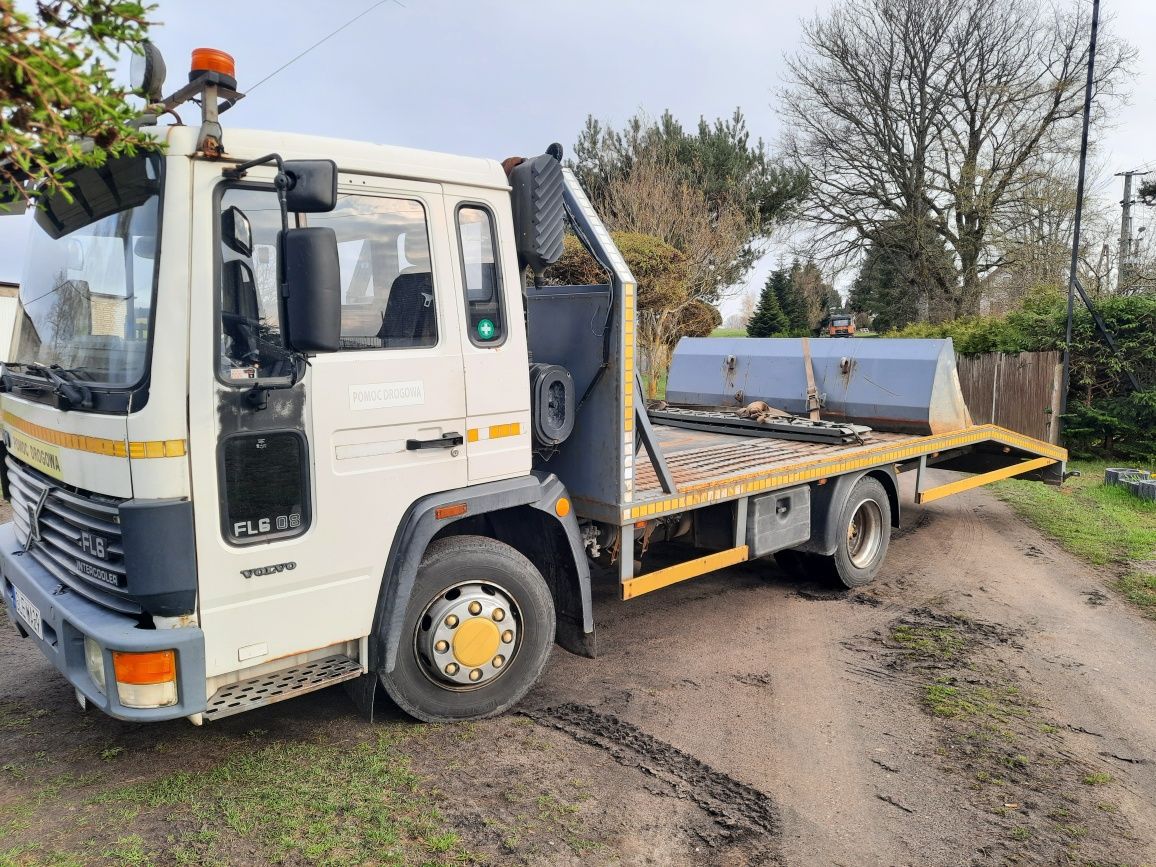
(486, 330)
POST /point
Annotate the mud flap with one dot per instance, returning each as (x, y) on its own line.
(362, 691)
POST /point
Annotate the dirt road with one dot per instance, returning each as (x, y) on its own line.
(988, 701)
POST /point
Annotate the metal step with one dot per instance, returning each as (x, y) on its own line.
(280, 685)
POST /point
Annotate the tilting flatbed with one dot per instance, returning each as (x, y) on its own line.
(642, 480)
(709, 467)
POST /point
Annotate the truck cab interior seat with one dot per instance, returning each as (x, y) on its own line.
(409, 318)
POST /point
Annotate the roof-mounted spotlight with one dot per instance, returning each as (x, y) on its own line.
(147, 72)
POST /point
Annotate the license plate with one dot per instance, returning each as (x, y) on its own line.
(29, 613)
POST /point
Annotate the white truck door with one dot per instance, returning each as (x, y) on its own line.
(308, 491)
(493, 334)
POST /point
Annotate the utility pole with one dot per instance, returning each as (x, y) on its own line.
(1079, 206)
(1125, 252)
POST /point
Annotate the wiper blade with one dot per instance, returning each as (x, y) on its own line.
(69, 393)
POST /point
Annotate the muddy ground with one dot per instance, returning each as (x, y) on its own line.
(987, 701)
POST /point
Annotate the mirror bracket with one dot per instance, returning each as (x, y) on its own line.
(257, 397)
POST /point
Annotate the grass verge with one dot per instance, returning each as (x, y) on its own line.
(272, 802)
(1103, 524)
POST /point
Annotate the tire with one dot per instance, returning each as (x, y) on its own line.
(864, 532)
(457, 574)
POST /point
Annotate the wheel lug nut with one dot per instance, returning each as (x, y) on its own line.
(452, 621)
(499, 615)
(475, 608)
(476, 674)
(499, 661)
(451, 669)
(507, 636)
(442, 646)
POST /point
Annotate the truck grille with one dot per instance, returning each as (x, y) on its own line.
(77, 537)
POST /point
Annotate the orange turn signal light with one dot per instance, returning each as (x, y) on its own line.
(157, 666)
(213, 60)
(454, 511)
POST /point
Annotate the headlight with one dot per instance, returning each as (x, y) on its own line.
(94, 660)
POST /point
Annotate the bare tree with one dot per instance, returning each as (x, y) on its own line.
(928, 121)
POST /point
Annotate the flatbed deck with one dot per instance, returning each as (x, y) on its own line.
(708, 466)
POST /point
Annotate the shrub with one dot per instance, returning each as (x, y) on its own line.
(1105, 417)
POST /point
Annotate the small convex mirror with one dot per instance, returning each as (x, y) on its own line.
(236, 231)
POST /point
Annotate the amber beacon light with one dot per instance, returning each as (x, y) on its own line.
(213, 60)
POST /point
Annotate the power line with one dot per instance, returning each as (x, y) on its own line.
(321, 41)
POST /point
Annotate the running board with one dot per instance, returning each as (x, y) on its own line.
(683, 571)
(280, 685)
(936, 493)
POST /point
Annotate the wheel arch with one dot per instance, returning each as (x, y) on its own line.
(827, 499)
(518, 512)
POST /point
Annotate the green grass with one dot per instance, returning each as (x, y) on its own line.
(729, 332)
(937, 642)
(1099, 778)
(1103, 524)
(960, 701)
(314, 802)
(1139, 588)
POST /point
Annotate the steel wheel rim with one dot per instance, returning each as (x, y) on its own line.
(864, 534)
(468, 635)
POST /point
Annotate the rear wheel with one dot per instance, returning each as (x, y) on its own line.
(864, 532)
(477, 632)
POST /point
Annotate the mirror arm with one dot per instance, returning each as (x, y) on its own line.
(235, 173)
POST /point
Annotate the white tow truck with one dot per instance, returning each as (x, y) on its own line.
(281, 412)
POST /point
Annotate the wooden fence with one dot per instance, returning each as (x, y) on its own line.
(1020, 392)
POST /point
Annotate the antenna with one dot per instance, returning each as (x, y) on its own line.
(323, 40)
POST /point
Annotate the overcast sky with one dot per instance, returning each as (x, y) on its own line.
(500, 77)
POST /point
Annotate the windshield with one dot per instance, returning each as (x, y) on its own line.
(841, 323)
(87, 292)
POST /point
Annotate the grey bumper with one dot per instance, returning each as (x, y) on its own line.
(68, 618)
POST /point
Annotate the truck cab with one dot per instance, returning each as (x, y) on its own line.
(194, 500)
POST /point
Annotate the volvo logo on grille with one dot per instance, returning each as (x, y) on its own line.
(34, 510)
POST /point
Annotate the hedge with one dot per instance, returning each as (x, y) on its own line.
(1106, 417)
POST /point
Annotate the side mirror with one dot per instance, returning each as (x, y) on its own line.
(312, 186)
(312, 273)
(236, 231)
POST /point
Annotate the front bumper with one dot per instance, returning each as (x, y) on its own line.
(69, 617)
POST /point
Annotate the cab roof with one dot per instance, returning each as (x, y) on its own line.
(350, 156)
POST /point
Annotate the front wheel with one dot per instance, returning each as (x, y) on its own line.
(477, 632)
(864, 524)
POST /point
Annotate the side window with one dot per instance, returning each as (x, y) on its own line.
(387, 288)
(250, 327)
(480, 275)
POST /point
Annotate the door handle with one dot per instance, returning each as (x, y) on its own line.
(445, 441)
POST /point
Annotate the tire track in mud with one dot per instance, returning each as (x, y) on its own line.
(745, 815)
